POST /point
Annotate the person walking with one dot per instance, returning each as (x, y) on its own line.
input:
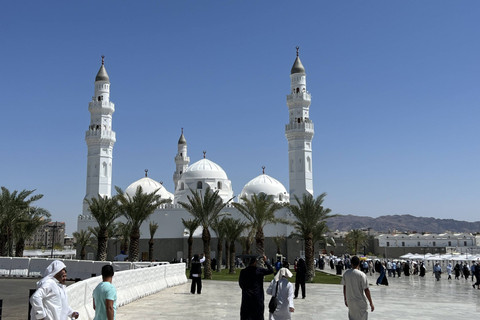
(449, 271)
(196, 273)
(356, 292)
(251, 283)
(283, 289)
(105, 296)
(300, 278)
(50, 301)
(437, 270)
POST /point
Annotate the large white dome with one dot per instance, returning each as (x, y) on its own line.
(148, 186)
(205, 169)
(268, 185)
(201, 175)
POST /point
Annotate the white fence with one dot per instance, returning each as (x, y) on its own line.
(133, 280)
(130, 284)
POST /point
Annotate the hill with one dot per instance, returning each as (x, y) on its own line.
(401, 223)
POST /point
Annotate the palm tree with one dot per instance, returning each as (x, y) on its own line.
(105, 211)
(191, 226)
(219, 228)
(355, 238)
(152, 227)
(205, 209)
(309, 214)
(12, 204)
(233, 230)
(137, 209)
(122, 233)
(82, 240)
(278, 241)
(259, 211)
(27, 225)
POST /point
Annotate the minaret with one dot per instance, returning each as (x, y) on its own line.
(100, 139)
(299, 132)
(181, 159)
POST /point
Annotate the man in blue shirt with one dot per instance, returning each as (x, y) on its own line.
(105, 296)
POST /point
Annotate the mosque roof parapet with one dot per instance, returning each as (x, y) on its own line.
(299, 96)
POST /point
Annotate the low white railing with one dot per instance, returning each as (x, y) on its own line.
(131, 285)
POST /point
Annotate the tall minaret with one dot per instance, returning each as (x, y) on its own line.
(299, 132)
(100, 139)
(181, 159)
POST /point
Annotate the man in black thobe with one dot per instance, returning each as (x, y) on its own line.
(251, 282)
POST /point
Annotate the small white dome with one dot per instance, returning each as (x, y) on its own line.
(148, 186)
(268, 185)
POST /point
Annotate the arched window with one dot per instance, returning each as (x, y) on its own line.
(199, 185)
(182, 186)
(280, 197)
(298, 90)
(219, 185)
(309, 164)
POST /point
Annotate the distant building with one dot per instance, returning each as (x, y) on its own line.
(395, 245)
(50, 233)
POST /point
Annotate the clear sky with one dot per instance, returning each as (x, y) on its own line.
(395, 96)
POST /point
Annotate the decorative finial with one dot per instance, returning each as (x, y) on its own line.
(204, 153)
(297, 50)
(103, 59)
(161, 182)
(146, 172)
(182, 130)
(263, 169)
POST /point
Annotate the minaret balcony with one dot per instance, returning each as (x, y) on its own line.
(100, 134)
(299, 96)
(302, 126)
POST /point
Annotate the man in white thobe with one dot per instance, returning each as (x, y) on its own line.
(50, 302)
(356, 292)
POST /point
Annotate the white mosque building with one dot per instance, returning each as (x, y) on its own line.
(170, 238)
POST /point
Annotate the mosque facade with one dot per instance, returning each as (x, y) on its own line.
(170, 238)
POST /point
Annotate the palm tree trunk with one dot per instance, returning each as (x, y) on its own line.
(220, 254)
(309, 259)
(227, 254)
(260, 242)
(206, 251)
(232, 257)
(134, 240)
(102, 245)
(190, 250)
(83, 253)
(19, 247)
(150, 249)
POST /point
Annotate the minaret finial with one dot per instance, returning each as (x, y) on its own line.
(146, 172)
(297, 50)
(263, 169)
(204, 154)
(103, 59)
(182, 130)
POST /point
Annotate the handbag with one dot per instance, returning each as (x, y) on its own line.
(272, 305)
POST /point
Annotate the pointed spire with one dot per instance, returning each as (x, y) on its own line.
(102, 73)
(182, 139)
(146, 172)
(297, 65)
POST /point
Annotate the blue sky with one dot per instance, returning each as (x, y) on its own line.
(395, 96)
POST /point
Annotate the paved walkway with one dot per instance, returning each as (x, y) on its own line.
(405, 298)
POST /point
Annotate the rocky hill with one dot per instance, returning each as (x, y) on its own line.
(402, 223)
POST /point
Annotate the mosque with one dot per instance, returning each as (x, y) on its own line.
(170, 238)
